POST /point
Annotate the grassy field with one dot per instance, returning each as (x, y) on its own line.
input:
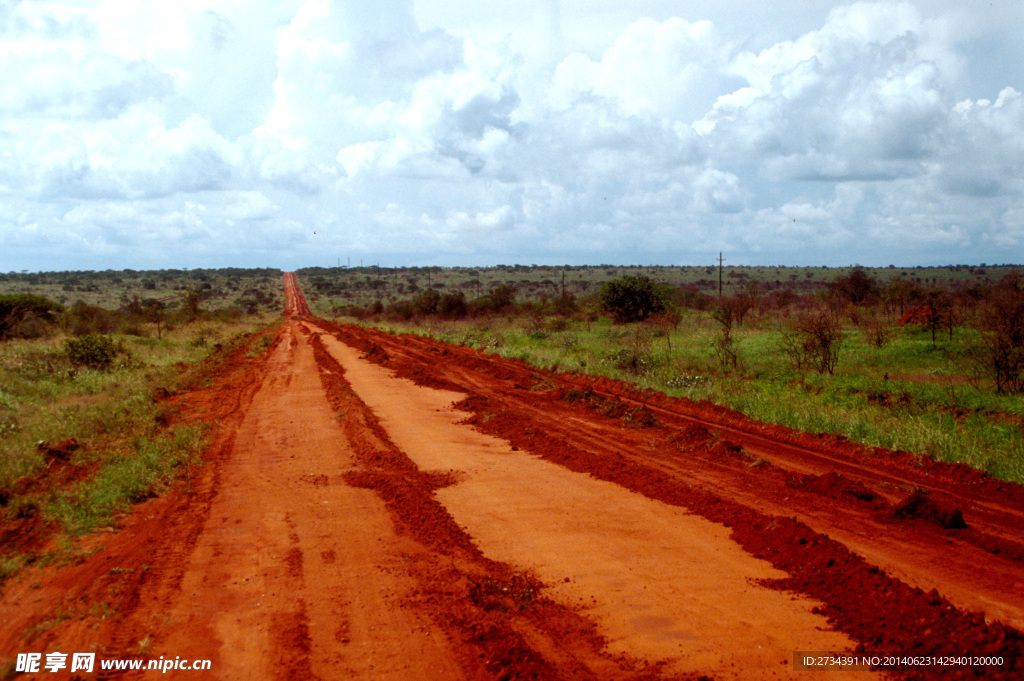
(80, 443)
(910, 394)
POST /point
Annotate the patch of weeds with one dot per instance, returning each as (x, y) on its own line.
(8, 425)
(11, 564)
(687, 381)
(126, 480)
(260, 346)
(103, 610)
(144, 645)
(518, 592)
(60, 615)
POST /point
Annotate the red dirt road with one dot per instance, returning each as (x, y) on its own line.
(486, 520)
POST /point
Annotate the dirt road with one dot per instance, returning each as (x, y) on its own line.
(381, 507)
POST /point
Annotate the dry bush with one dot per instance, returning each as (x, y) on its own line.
(1002, 324)
(814, 341)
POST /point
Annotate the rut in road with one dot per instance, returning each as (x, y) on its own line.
(811, 525)
(664, 585)
(298, 574)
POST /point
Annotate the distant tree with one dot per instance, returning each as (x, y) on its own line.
(814, 340)
(632, 298)
(1002, 324)
(452, 305)
(503, 298)
(858, 287)
(19, 309)
(192, 300)
(426, 302)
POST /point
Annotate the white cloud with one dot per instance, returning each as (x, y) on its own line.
(814, 131)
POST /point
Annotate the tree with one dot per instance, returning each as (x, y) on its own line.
(857, 287)
(632, 298)
(503, 298)
(192, 300)
(1002, 323)
(21, 308)
(815, 341)
(723, 345)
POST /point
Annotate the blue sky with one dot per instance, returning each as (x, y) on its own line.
(209, 133)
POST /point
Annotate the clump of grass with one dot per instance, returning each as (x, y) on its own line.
(126, 480)
(260, 346)
(111, 410)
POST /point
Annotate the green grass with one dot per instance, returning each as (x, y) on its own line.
(913, 395)
(130, 478)
(129, 452)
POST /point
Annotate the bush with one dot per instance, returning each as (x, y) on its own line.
(858, 287)
(1002, 322)
(95, 351)
(632, 298)
(22, 310)
(503, 299)
(427, 301)
(85, 319)
(452, 306)
(815, 341)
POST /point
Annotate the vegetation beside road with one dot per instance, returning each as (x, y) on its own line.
(85, 430)
(927, 364)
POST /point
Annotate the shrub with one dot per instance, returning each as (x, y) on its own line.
(877, 332)
(815, 341)
(632, 298)
(95, 351)
(452, 306)
(857, 287)
(1002, 321)
(503, 299)
(23, 309)
(427, 301)
(723, 344)
(89, 319)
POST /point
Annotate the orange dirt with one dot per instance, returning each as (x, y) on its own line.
(490, 521)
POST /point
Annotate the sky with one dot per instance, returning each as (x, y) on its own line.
(294, 133)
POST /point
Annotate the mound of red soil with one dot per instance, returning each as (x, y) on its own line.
(60, 451)
(376, 354)
(837, 486)
(920, 506)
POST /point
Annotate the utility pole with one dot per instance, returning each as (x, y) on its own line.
(719, 274)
